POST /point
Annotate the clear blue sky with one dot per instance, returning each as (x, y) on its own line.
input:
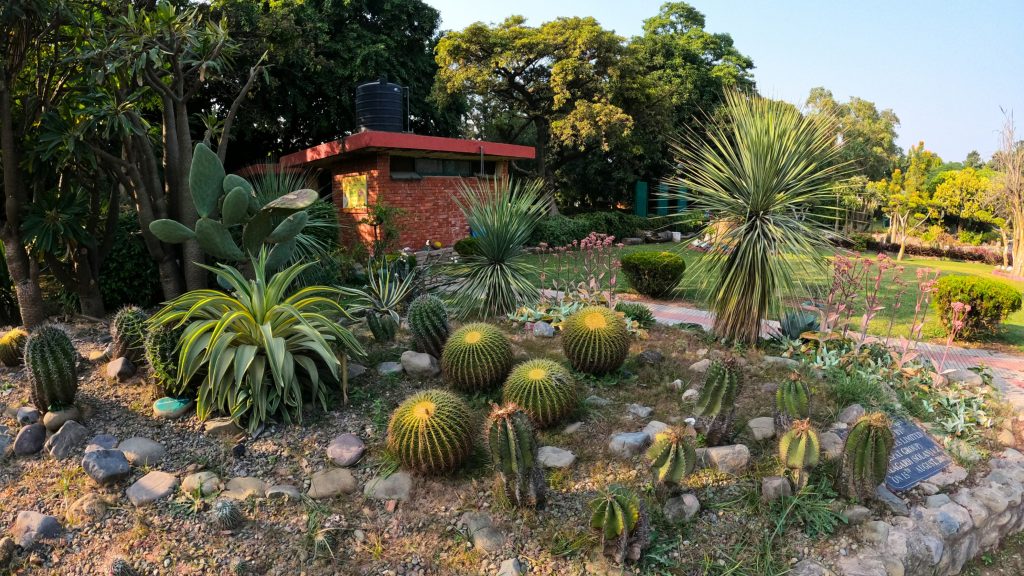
(945, 67)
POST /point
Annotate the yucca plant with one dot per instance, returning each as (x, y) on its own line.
(503, 213)
(764, 172)
(621, 518)
(385, 293)
(264, 350)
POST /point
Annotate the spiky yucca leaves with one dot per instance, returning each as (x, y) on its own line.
(161, 346)
(716, 404)
(477, 356)
(52, 365)
(800, 450)
(595, 340)
(672, 456)
(431, 432)
(792, 402)
(428, 322)
(128, 332)
(621, 518)
(226, 514)
(544, 389)
(12, 346)
(866, 456)
(512, 442)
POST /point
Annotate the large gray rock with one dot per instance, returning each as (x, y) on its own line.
(486, 538)
(88, 509)
(106, 467)
(775, 487)
(810, 567)
(831, 445)
(543, 330)
(762, 428)
(681, 508)
(895, 504)
(856, 514)
(397, 486)
(221, 428)
(204, 483)
(30, 527)
(54, 419)
(596, 401)
(330, 483)
(640, 411)
(245, 487)
(63, 443)
(851, 414)
(5, 443)
(554, 457)
(964, 377)
(152, 487)
(420, 364)
(654, 427)
(511, 567)
(345, 450)
(101, 442)
(780, 362)
(30, 440)
(700, 366)
(729, 459)
(142, 451)
(27, 415)
(284, 492)
(355, 370)
(389, 368)
(628, 444)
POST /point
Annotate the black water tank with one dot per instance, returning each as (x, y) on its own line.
(379, 106)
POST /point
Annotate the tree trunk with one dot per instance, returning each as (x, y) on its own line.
(1018, 246)
(543, 138)
(903, 247)
(1006, 247)
(191, 254)
(90, 300)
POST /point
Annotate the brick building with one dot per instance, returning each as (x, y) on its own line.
(419, 174)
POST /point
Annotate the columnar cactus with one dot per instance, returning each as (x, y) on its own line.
(161, 346)
(672, 456)
(226, 514)
(128, 332)
(382, 326)
(12, 346)
(595, 340)
(792, 402)
(428, 322)
(51, 360)
(477, 357)
(800, 450)
(716, 404)
(544, 389)
(621, 518)
(430, 432)
(512, 442)
(866, 456)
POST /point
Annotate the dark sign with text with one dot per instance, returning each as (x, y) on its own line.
(915, 457)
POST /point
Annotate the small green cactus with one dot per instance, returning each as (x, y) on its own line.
(382, 326)
(595, 340)
(477, 357)
(128, 331)
(161, 346)
(544, 389)
(428, 322)
(226, 514)
(121, 567)
(512, 442)
(672, 456)
(716, 404)
(866, 456)
(621, 518)
(430, 432)
(52, 364)
(12, 346)
(792, 402)
(799, 451)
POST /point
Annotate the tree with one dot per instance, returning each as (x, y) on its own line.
(868, 134)
(909, 203)
(961, 193)
(974, 160)
(1008, 191)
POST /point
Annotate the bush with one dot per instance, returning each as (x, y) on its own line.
(859, 242)
(962, 253)
(128, 275)
(467, 247)
(559, 230)
(637, 312)
(970, 238)
(653, 273)
(991, 302)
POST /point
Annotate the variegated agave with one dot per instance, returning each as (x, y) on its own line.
(263, 349)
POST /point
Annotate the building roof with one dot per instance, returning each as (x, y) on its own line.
(371, 141)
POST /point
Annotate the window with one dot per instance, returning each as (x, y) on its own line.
(411, 168)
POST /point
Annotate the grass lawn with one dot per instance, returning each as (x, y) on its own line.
(1012, 335)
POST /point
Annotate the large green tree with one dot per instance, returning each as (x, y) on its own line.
(868, 134)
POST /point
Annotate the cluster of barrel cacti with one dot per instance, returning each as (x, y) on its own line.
(127, 332)
(595, 340)
(716, 404)
(672, 455)
(620, 517)
(477, 357)
(866, 456)
(52, 364)
(12, 346)
(792, 402)
(543, 388)
(428, 322)
(799, 451)
(512, 443)
(430, 432)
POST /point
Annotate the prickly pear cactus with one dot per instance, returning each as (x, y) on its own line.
(866, 456)
(792, 402)
(544, 389)
(716, 405)
(52, 364)
(128, 331)
(799, 451)
(12, 346)
(430, 432)
(672, 456)
(428, 322)
(620, 517)
(512, 443)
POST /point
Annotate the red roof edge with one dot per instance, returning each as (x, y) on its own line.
(403, 141)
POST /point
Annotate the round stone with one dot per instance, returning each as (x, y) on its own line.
(142, 451)
(54, 419)
(346, 450)
(171, 408)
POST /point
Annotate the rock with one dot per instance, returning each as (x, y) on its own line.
(831, 445)
(700, 366)
(691, 396)
(762, 428)
(221, 428)
(27, 415)
(397, 486)
(654, 428)
(5, 442)
(120, 369)
(651, 357)
(951, 475)
(511, 567)
(856, 514)
(775, 487)
(419, 364)
(355, 370)
(927, 488)
(628, 444)
(640, 411)
(596, 401)
(676, 384)
(963, 451)
(101, 442)
(204, 483)
(171, 408)
(330, 483)
(284, 492)
(543, 330)
(894, 503)
(106, 466)
(244, 487)
(681, 508)
(967, 377)
(875, 531)
(851, 414)
(389, 368)
(346, 450)
(572, 428)
(142, 451)
(7, 546)
(810, 567)
(729, 459)
(554, 457)
(1006, 438)
(937, 501)
(29, 527)
(780, 362)
(481, 530)
(152, 487)
(63, 443)
(30, 440)
(864, 564)
(54, 419)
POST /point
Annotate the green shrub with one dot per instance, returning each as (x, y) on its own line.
(859, 242)
(128, 275)
(991, 302)
(653, 273)
(637, 312)
(468, 246)
(560, 230)
(970, 238)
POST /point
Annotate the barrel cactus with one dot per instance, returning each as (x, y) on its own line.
(128, 332)
(428, 322)
(161, 347)
(544, 389)
(477, 357)
(866, 456)
(672, 456)
(621, 518)
(12, 346)
(800, 450)
(716, 404)
(226, 514)
(121, 567)
(792, 402)
(52, 365)
(430, 432)
(595, 340)
(512, 443)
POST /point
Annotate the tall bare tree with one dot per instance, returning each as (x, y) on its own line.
(1008, 191)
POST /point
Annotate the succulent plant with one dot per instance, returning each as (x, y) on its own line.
(226, 514)
(866, 456)
(161, 346)
(382, 326)
(595, 340)
(794, 324)
(52, 368)
(477, 356)
(428, 322)
(128, 331)
(621, 518)
(430, 432)
(716, 404)
(512, 442)
(638, 312)
(792, 402)
(800, 450)
(121, 567)
(544, 389)
(672, 456)
(12, 346)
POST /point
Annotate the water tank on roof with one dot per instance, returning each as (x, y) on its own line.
(379, 106)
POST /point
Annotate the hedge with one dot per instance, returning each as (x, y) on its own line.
(560, 230)
(864, 242)
(653, 273)
(991, 302)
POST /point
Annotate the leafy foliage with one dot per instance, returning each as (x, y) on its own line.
(128, 275)
(653, 274)
(636, 311)
(991, 301)
(383, 297)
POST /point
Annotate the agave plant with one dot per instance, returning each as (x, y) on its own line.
(264, 351)
(759, 172)
(385, 293)
(503, 214)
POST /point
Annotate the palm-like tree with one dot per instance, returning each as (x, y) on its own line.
(765, 174)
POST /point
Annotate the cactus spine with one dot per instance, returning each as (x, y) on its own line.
(621, 518)
(866, 456)
(477, 357)
(428, 322)
(382, 326)
(52, 368)
(226, 514)
(595, 340)
(800, 450)
(12, 346)
(511, 440)
(672, 456)
(128, 332)
(430, 431)
(716, 404)
(792, 402)
(544, 389)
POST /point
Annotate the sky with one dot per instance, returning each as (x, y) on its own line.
(945, 67)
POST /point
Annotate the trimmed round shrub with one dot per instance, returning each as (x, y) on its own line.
(991, 302)
(544, 389)
(637, 312)
(595, 340)
(431, 432)
(468, 246)
(476, 357)
(652, 273)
